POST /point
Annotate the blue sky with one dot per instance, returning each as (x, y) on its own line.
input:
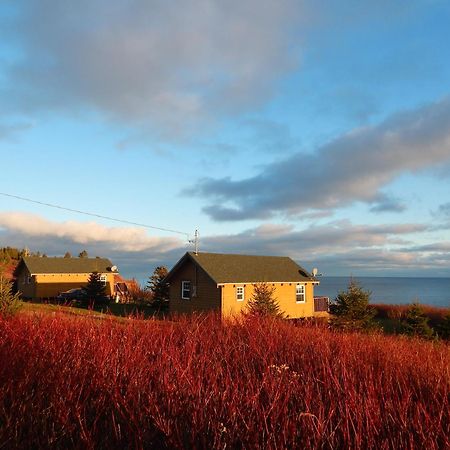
(318, 130)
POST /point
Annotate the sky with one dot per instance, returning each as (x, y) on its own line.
(318, 130)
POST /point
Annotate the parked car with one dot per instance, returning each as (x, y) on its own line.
(72, 295)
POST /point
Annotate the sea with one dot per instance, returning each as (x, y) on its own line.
(392, 290)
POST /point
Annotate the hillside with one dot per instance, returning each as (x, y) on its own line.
(71, 382)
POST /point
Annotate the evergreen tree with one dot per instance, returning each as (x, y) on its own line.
(263, 302)
(415, 322)
(351, 310)
(83, 254)
(95, 290)
(9, 302)
(158, 288)
(67, 255)
(444, 327)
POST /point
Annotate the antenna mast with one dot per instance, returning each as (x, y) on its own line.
(196, 242)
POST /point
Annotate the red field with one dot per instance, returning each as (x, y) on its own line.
(83, 382)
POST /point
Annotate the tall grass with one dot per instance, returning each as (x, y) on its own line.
(80, 382)
(398, 312)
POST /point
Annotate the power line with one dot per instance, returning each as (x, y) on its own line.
(94, 215)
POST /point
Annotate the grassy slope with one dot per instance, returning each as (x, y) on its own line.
(72, 381)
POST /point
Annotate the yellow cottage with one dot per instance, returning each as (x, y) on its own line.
(46, 277)
(224, 282)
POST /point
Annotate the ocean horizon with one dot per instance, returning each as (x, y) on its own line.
(392, 290)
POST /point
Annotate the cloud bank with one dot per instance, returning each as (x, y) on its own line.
(354, 167)
(338, 248)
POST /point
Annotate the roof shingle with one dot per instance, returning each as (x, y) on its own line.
(36, 264)
(229, 268)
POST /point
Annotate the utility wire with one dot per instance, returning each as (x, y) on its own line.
(94, 215)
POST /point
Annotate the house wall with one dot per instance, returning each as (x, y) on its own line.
(284, 295)
(50, 285)
(24, 287)
(207, 296)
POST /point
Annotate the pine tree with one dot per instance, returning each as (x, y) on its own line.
(444, 327)
(351, 310)
(9, 302)
(95, 289)
(415, 322)
(263, 302)
(158, 288)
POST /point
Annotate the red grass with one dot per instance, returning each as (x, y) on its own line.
(80, 382)
(397, 312)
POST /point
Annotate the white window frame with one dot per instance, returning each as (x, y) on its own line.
(185, 283)
(104, 279)
(300, 290)
(240, 293)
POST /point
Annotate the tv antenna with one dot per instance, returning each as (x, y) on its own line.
(195, 242)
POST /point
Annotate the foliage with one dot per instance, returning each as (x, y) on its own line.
(95, 290)
(351, 310)
(158, 288)
(9, 302)
(444, 327)
(80, 382)
(415, 322)
(138, 294)
(263, 302)
(83, 254)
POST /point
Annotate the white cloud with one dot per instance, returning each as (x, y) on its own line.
(125, 239)
(336, 247)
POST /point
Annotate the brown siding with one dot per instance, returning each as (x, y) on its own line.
(27, 290)
(207, 293)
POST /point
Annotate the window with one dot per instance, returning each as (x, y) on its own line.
(103, 279)
(240, 294)
(185, 290)
(300, 293)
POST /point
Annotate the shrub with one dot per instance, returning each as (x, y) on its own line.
(351, 310)
(415, 322)
(9, 302)
(263, 303)
(444, 327)
(158, 288)
(95, 290)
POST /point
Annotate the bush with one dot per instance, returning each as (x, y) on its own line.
(444, 327)
(95, 291)
(9, 303)
(158, 288)
(351, 310)
(415, 322)
(263, 303)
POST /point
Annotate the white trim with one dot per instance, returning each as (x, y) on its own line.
(183, 289)
(242, 293)
(303, 292)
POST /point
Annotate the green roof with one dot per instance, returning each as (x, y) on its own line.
(37, 264)
(228, 268)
